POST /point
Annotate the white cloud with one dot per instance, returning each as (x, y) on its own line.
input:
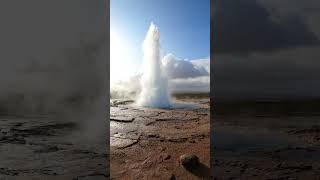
(204, 63)
(196, 84)
(178, 68)
(187, 76)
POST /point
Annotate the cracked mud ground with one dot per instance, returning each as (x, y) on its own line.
(266, 146)
(40, 147)
(147, 143)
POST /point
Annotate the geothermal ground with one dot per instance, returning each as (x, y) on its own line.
(266, 141)
(147, 143)
(42, 147)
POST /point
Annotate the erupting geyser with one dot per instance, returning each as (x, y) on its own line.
(154, 83)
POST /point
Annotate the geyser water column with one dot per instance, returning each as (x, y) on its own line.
(154, 84)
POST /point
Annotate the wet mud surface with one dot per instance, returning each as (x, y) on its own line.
(42, 147)
(266, 147)
(147, 143)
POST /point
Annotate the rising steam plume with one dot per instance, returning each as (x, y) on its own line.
(154, 83)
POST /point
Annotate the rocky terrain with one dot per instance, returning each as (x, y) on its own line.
(147, 143)
(266, 145)
(43, 147)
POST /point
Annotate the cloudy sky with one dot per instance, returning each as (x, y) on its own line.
(184, 37)
(265, 49)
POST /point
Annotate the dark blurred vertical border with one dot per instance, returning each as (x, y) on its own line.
(264, 88)
(108, 85)
(54, 89)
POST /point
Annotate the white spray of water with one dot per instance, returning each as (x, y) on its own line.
(154, 83)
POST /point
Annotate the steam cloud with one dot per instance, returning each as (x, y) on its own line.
(154, 83)
(54, 63)
(183, 76)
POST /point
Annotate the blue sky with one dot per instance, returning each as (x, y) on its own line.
(184, 26)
